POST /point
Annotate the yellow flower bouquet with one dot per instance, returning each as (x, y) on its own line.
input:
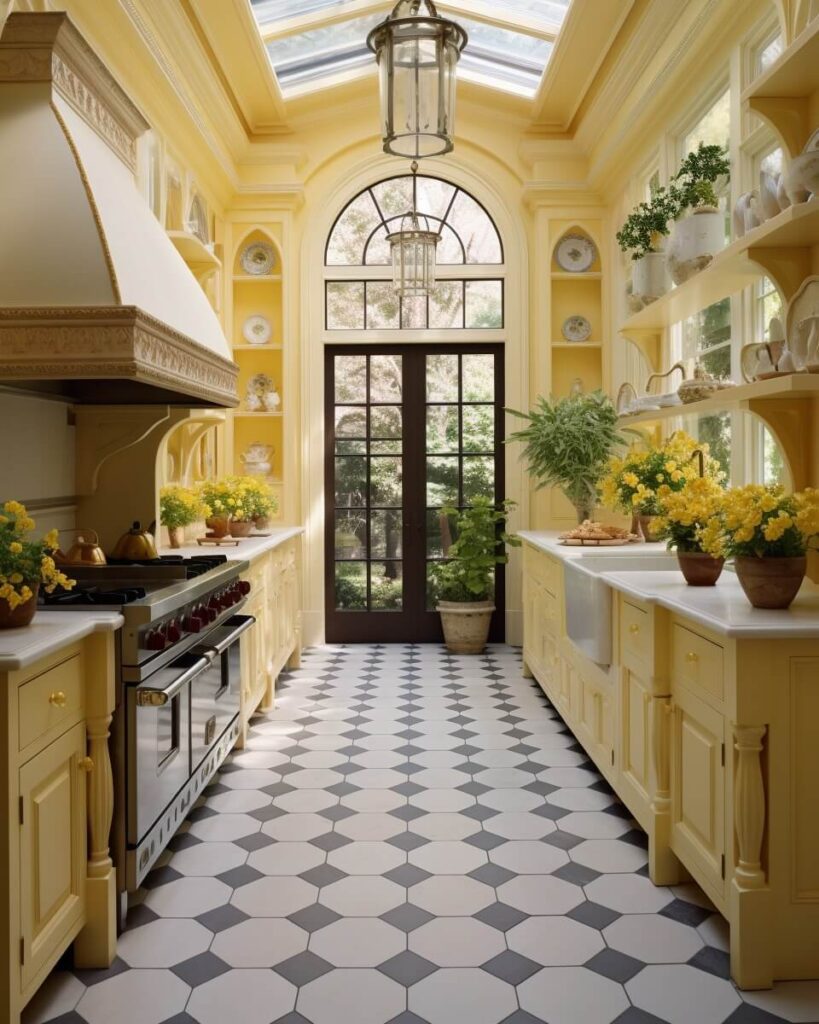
(768, 533)
(24, 565)
(178, 508)
(691, 520)
(238, 501)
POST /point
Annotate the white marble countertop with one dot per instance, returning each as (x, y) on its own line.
(723, 608)
(247, 549)
(49, 632)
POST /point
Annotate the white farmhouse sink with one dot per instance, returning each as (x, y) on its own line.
(588, 597)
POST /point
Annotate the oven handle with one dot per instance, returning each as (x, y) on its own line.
(243, 623)
(146, 697)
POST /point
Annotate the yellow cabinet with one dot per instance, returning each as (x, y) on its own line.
(698, 790)
(636, 735)
(595, 713)
(52, 850)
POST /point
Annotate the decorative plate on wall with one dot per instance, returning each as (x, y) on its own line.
(258, 258)
(575, 253)
(576, 328)
(256, 330)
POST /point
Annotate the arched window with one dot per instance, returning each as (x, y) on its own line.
(358, 276)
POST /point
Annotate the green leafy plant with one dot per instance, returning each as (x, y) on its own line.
(648, 222)
(568, 443)
(698, 174)
(481, 545)
(180, 506)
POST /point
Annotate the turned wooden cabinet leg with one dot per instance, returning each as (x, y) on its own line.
(294, 661)
(663, 866)
(95, 946)
(527, 672)
(750, 936)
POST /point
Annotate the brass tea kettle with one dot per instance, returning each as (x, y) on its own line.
(85, 550)
(136, 545)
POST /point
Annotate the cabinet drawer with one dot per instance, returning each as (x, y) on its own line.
(697, 662)
(635, 635)
(542, 569)
(51, 700)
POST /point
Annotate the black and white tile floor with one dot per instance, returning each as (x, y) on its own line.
(413, 838)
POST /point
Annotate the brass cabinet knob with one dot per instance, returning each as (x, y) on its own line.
(692, 657)
(85, 764)
(634, 629)
(58, 699)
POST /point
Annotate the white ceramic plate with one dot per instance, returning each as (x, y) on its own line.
(576, 328)
(256, 330)
(258, 258)
(575, 253)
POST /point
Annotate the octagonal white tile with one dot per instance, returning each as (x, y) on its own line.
(386, 742)
(314, 778)
(258, 758)
(580, 799)
(374, 827)
(568, 778)
(252, 996)
(286, 858)
(360, 995)
(362, 896)
(208, 859)
(529, 858)
(295, 827)
(503, 778)
(437, 741)
(555, 941)
(379, 759)
(224, 827)
(519, 825)
(238, 801)
(365, 858)
(654, 939)
(58, 995)
(358, 942)
(331, 742)
(379, 778)
(440, 778)
(573, 995)
(445, 826)
(373, 800)
(134, 997)
(451, 896)
(714, 931)
(462, 994)
(188, 897)
(594, 825)
(259, 942)
(275, 896)
(511, 800)
(319, 759)
(681, 994)
(250, 778)
(629, 894)
(609, 855)
(448, 858)
(540, 894)
(163, 943)
(795, 1001)
(305, 801)
(456, 942)
(442, 800)
(498, 758)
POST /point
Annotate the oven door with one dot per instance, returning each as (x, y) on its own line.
(159, 741)
(215, 693)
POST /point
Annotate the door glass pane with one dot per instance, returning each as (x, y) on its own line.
(442, 480)
(479, 477)
(478, 428)
(386, 586)
(442, 378)
(351, 586)
(386, 534)
(385, 379)
(446, 305)
(440, 533)
(351, 378)
(386, 447)
(351, 481)
(479, 378)
(385, 481)
(351, 421)
(351, 534)
(350, 447)
(442, 428)
(385, 421)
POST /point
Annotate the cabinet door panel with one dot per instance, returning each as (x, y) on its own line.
(636, 743)
(52, 848)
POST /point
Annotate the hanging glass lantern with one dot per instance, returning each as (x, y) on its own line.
(417, 53)
(413, 247)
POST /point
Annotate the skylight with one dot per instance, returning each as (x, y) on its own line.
(509, 49)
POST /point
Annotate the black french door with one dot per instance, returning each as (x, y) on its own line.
(409, 428)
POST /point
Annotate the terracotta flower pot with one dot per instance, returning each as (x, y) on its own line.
(647, 527)
(466, 625)
(262, 522)
(176, 536)
(241, 527)
(16, 618)
(219, 526)
(700, 569)
(771, 582)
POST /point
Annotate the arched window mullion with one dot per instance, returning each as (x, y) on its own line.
(444, 221)
(378, 210)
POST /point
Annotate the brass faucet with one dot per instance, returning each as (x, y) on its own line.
(698, 453)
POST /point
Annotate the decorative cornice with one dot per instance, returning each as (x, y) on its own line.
(111, 343)
(46, 47)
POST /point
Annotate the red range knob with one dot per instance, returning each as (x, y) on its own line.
(173, 632)
(208, 612)
(155, 640)
(244, 587)
(192, 623)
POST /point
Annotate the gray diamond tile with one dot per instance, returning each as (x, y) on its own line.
(522, 1017)
(492, 874)
(550, 811)
(593, 914)
(303, 968)
(562, 840)
(161, 876)
(407, 917)
(179, 1018)
(479, 813)
(407, 968)
(745, 1014)
(501, 916)
(576, 873)
(407, 1018)
(342, 789)
(200, 969)
(511, 967)
(93, 976)
(408, 788)
(407, 875)
(485, 840)
(222, 917)
(407, 841)
(314, 917)
(473, 788)
(712, 960)
(330, 841)
(324, 874)
(240, 876)
(338, 812)
(139, 914)
(407, 812)
(633, 1015)
(267, 813)
(617, 966)
(255, 841)
(183, 840)
(685, 913)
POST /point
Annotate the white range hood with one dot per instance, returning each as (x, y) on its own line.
(95, 301)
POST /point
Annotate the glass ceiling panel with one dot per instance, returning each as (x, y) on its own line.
(507, 60)
(268, 12)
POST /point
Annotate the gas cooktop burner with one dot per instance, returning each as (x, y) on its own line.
(195, 566)
(93, 596)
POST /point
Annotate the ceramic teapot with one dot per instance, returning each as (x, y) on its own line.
(701, 385)
(257, 458)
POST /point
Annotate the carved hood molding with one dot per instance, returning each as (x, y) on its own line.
(95, 301)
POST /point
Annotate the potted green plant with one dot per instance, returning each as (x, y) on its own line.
(697, 237)
(24, 565)
(642, 235)
(568, 443)
(465, 583)
(178, 508)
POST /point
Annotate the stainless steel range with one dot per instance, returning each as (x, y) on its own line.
(178, 690)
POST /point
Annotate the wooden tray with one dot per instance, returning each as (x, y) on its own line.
(588, 542)
(230, 542)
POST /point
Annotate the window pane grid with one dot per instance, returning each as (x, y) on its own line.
(367, 305)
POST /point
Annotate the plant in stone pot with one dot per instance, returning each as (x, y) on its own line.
(697, 237)
(465, 583)
(260, 501)
(568, 443)
(768, 533)
(179, 507)
(643, 235)
(25, 565)
(690, 521)
(216, 495)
